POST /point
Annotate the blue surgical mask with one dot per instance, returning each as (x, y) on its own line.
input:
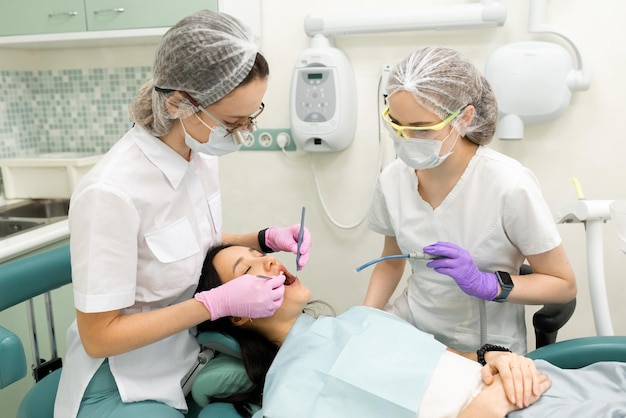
(421, 154)
(219, 143)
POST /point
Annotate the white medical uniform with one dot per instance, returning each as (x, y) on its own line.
(496, 212)
(141, 222)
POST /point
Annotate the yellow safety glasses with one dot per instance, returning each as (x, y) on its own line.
(418, 132)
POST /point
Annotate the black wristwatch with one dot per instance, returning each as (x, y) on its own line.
(506, 284)
(488, 347)
(261, 237)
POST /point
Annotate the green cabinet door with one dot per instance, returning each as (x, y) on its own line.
(25, 17)
(134, 14)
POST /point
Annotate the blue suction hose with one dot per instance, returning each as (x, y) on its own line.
(416, 256)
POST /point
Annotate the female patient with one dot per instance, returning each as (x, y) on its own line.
(368, 363)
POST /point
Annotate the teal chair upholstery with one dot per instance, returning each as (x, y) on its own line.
(226, 374)
(21, 280)
(39, 400)
(12, 360)
(581, 352)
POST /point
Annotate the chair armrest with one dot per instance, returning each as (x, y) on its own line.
(12, 358)
(27, 277)
(580, 352)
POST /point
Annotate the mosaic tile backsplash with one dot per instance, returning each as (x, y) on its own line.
(83, 110)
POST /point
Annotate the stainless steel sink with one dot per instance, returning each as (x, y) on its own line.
(26, 215)
(9, 227)
(37, 208)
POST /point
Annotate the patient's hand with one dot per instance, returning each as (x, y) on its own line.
(493, 402)
(519, 377)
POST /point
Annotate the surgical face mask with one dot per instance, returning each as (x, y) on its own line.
(220, 141)
(422, 154)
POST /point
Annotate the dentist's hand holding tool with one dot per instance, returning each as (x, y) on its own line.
(458, 264)
(286, 239)
(247, 296)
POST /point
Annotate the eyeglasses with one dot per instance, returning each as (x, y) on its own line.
(239, 131)
(419, 132)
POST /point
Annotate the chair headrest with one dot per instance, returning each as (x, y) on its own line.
(220, 342)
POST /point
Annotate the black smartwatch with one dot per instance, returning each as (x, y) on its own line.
(506, 284)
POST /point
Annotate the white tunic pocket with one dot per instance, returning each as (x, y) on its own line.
(174, 242)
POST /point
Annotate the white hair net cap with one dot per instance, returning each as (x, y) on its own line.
(443, 81)
(207, 54)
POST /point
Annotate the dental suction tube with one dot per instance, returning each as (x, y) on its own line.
(416, 256)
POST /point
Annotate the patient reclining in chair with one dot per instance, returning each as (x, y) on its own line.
(368, 363)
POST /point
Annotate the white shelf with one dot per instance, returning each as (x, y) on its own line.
(84, 39)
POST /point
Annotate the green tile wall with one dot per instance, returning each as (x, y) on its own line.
(84, 110)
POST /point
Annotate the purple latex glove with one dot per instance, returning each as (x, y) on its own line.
(286, 239)
(247, 296)
(459, 265)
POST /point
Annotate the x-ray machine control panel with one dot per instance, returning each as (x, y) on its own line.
(315, 99)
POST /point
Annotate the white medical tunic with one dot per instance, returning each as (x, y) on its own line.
(496, 212)
(141, 222)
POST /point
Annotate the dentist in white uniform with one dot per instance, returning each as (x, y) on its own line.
(142, 220)
(449, 195)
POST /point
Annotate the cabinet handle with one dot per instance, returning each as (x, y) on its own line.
(63, 14)
(116, 10)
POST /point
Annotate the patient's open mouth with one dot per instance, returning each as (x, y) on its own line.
(290, 278)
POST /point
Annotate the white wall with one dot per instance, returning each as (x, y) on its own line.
(261, 189)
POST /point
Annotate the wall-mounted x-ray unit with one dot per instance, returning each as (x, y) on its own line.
(323, 101)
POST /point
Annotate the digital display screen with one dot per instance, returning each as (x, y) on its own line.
(314, 76)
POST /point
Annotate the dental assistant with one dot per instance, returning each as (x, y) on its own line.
(143, 218)
(449, 195)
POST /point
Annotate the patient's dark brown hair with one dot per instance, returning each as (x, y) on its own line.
(257, 351)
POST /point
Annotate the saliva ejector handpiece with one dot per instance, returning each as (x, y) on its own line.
(416, 256)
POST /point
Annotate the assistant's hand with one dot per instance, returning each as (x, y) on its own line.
(458, 264)
(247, 296)
(286, 239)
(521, 380)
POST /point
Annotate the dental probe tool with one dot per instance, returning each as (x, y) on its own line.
(416, 256)
(300, 237)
